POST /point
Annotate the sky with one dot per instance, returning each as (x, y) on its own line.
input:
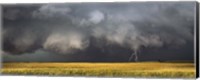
(98, 32)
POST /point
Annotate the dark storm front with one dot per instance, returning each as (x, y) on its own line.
(99, 32)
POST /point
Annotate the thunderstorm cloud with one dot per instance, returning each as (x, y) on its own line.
(99, 31)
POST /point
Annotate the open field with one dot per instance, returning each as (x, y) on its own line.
(139, 69)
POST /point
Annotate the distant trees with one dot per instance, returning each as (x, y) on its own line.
(159, 60)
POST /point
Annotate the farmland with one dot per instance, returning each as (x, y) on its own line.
(137, 69)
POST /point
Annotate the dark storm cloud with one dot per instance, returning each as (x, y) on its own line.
(78, 28)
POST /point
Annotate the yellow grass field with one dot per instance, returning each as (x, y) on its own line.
(138, 69)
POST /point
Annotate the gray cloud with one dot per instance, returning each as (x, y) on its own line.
(66, 42)
(50, 11)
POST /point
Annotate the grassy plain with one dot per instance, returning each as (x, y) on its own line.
(137, 69)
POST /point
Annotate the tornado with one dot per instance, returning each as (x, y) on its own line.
(132, 55)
